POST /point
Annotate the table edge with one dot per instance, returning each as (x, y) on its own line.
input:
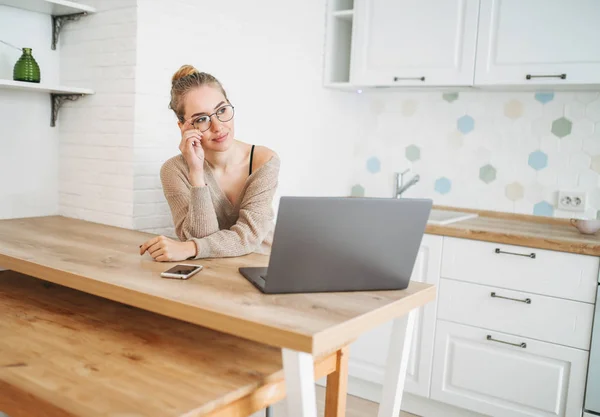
(344, 333)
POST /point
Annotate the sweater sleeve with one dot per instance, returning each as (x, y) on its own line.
(255, 219)
(192, 208)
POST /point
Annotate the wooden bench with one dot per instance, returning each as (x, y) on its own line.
(67, 353)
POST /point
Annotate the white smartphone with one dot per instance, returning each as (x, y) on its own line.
(181, 271)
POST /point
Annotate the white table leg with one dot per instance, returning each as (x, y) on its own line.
(299, 373)
(396, 365)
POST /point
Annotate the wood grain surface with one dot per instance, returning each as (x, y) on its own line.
(104, 261)
(520, 229)
(67, 353)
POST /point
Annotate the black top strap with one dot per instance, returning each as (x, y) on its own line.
(251, 157)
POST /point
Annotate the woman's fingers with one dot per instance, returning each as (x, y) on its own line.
(159, 252)
(187, 125)
(191, 149)
(154, 244)
(156, 247)
(193, 137)
(144, 247)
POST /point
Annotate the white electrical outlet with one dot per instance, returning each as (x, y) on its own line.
(572, 200)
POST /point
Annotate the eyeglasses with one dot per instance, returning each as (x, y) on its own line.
(224, 114)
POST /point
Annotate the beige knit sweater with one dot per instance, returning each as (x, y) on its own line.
(206, 216)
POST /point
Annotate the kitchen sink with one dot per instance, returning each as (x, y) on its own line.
(443, 217)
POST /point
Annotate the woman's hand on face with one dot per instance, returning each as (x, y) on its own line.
(191, 147)
(164, 249)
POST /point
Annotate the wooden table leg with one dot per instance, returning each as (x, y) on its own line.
(337, 386)
(396, 365)
(298, 368)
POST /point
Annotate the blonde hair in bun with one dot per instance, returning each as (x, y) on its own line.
(184, 71)
(187, 78)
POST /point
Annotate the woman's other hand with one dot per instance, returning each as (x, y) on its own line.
(164, 249)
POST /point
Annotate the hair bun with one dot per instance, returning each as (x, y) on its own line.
(184, 71)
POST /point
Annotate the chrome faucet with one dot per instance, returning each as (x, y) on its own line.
(401, 186)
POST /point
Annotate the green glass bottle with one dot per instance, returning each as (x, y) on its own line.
(26, 69)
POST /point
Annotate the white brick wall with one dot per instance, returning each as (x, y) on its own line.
(96, 133)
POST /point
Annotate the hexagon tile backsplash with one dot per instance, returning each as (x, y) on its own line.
(493, 151)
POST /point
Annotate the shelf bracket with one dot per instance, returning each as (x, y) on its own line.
(59, 21)
(57, 102)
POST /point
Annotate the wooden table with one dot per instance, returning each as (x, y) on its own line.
(69, 353)
(104, 261)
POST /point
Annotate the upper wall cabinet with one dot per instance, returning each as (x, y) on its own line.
(471, 43)
(537, 42)
(415, 42)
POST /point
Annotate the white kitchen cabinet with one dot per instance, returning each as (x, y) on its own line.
(368, 354)
(507, 336)
(504, 375)
(517, 312)
(414, 42)
(538, 42)
(480, 43)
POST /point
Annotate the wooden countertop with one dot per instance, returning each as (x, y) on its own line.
(67, 353)
(105, 261)
(519, 229)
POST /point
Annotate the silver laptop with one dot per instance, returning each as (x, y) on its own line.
(327, 244)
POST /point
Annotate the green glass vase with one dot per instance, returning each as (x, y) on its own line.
(26, 69)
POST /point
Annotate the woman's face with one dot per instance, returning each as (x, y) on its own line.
(205, 101)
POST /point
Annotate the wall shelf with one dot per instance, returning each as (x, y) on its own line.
(58, 94)
(50, 7)
(61, 11)
(42, 88)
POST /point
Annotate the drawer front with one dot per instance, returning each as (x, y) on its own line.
(539, 271)
(534, 316)
(502, 380)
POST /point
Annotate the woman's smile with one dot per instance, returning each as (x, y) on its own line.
(221, 138)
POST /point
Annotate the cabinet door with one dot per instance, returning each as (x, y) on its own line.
(368, 354)
(592, 399)
(536, 41)
(503, 378)
(415, 42)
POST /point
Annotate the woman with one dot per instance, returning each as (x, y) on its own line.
(219, 190)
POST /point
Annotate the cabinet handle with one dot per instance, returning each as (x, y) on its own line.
(526, 301)
(561, 76)
(521, 345)
(528, 255)
(409, 78)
